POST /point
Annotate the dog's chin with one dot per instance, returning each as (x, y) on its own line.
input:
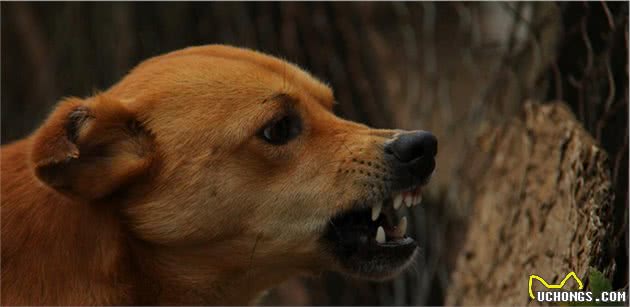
(379, 263)
(370, 241)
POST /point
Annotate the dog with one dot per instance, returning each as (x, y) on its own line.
(204, 177)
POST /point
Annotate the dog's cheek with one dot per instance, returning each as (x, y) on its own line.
(188, 207)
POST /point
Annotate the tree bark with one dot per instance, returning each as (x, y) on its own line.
(543, 206)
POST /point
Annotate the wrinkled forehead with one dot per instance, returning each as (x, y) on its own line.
(220, 73)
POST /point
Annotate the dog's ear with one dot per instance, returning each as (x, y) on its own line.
(90, 148)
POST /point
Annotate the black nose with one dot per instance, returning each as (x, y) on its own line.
(412, 145)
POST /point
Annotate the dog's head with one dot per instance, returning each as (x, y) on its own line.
(238, 156)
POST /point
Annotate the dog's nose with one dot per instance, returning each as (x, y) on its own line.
(411, 145)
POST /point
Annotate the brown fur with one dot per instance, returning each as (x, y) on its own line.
(158, 191)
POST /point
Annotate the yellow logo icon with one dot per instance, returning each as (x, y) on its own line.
(558, 286)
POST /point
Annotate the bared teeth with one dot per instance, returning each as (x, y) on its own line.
(376, 211)
(402, 226)
(398, 200)
(417, 199)
(380, 235)
(408, 200)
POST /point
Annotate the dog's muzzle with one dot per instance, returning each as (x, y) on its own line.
(370, 240)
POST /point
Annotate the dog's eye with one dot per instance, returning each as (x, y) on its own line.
(281, 131)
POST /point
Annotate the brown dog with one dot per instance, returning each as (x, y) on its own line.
(205, 176)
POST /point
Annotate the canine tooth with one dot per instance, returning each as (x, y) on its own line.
(398, 200)
(380, 235)
(402, 226)
(376, 211)
(408, 200)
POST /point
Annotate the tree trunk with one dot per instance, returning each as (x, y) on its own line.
(543, 206)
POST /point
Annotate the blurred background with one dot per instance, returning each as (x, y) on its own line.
(529, 102)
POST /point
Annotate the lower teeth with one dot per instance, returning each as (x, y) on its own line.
(380, 235)
(402, 226)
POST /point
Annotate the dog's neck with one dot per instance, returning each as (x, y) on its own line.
(54, 249)
(192, 276)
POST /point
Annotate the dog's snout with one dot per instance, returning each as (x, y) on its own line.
(409, 146)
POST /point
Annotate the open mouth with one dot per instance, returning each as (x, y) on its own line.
(370, 240)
